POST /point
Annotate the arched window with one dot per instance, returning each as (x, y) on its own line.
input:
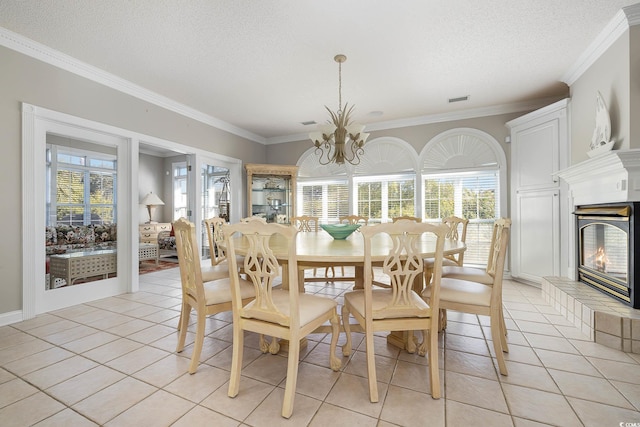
(459, 172)
(464, 174)
(322, 190)
(384, 183)
(380, 187)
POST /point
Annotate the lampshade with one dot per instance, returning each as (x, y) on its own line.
(151, 200)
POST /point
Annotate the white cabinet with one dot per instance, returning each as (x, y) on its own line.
(149, 232)
(539, 149)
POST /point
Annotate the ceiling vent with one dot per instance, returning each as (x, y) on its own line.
(310, 122)
(459, 99)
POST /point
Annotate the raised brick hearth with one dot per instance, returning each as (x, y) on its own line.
(602, 318)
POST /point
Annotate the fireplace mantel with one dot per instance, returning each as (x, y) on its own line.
(609, 178)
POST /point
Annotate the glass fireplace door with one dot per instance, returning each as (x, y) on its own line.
(604, 249)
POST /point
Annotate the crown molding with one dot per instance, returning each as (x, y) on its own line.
(63, 61)
(557, 107)
(60, 60)
(625, 18)
(474, 113)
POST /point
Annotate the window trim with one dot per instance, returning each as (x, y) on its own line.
(174, 181)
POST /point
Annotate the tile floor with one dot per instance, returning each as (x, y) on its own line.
(112, 362)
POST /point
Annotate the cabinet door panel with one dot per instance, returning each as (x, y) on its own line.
(536, 239)
(536, 155)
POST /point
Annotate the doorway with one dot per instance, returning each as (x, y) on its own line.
(76, 178)
(40, 123)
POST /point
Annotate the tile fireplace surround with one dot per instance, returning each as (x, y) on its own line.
(601, 317)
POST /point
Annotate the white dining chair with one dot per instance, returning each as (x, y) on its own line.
(219, 268)
(205, 298)
(457, 231)
(478, 298)
(400, 307)
(277, 312)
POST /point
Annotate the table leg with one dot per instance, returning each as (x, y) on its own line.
(398, 339)
(359, 277)
(284, 344)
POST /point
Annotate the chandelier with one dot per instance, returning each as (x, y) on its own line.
(339, 140)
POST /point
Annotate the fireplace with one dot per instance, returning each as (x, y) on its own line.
(606, 235)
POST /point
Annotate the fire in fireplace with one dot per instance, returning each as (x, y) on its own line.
(606, 237)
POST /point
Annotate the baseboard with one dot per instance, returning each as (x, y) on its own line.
(10, 317)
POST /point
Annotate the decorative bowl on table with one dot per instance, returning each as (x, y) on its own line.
(340, 231)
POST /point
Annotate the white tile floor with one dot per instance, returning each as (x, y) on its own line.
(112, 362)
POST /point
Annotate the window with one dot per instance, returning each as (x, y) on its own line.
(471, 195)
(382, 198)
(180, 206)
(81, 186)
(328, 200)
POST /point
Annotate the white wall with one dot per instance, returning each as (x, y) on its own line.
(151, 179)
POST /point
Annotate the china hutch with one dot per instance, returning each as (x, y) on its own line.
(271, 192)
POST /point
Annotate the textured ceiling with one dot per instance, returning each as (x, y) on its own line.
(266, 66)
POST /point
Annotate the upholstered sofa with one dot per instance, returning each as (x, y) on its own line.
(167, 244)
(65, 238)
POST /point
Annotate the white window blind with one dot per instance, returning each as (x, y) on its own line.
(180, 206)
(472, 195)
(84, 191)
(381, 198)
(328, 200)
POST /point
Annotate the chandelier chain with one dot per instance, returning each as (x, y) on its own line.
(339, 87)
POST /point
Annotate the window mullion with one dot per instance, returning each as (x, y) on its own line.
(385, 200)
(457, 198)
(87, 197)
(325, 203)
(53, 188)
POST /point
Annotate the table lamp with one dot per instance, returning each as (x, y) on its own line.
(151, 201)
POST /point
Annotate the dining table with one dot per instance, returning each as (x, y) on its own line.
(317, 249)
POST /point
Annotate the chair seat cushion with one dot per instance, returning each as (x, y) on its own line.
(462, 291)
(381, 300)
(467, 273)
(219, 291)
(311, 306)
(428, 262)
(215, 272)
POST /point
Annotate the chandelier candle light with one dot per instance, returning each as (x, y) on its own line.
(339, 139)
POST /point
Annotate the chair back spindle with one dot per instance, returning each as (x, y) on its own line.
(215, 236)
